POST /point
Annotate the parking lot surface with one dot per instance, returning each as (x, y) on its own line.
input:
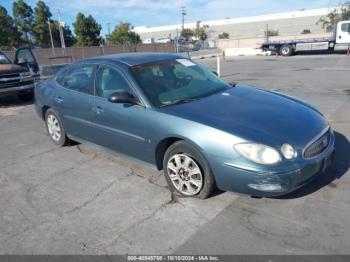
(83, 199)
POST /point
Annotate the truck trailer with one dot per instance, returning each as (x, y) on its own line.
(340, 40)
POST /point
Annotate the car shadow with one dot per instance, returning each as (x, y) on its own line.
(13, 101)
(338, 168)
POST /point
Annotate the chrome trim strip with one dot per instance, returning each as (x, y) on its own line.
(244, 168)
(106, 128)
(324, 131)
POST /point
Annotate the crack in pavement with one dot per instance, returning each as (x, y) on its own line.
(86, 203)
(32, 156)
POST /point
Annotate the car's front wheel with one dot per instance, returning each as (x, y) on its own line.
(187, 171)
(55, 128)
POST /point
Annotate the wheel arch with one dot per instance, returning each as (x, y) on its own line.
(165, 143)
(44, 110)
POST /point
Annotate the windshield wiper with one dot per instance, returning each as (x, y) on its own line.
(177, 102)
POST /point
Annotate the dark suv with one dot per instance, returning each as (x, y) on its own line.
(17, 78)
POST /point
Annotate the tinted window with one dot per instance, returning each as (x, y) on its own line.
(345, 27)
(108, 81)
(77, 78)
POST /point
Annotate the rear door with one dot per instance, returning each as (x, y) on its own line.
(72, 99)
(343, 32)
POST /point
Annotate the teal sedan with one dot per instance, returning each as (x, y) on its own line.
(204, 133)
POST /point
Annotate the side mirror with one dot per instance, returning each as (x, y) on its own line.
(22, 61)
(123, 97)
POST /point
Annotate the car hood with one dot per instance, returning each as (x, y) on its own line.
(11, 69)
(255, 115)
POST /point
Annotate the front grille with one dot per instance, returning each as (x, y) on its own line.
(318, 146)
(8, 85)
(10, 78)
(9, 75)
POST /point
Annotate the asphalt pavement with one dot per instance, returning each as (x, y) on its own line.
(83, 199)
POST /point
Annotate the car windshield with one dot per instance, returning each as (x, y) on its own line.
(4, 60)
(176, 81)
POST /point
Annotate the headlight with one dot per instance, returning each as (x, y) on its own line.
(288, 151)
(258, 153)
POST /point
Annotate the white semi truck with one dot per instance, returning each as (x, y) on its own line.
(340, 40)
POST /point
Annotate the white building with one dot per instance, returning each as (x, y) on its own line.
(287, 23)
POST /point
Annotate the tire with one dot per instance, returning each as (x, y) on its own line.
(286, 50)
(26, 97)
(182, 159)
(55, 128)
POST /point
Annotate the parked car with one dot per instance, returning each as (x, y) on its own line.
(17, 78)
(176, 114)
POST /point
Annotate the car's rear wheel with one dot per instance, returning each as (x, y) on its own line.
(55, 128)
(187, 171)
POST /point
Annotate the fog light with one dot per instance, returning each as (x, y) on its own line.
(266, 187)
(288, 151)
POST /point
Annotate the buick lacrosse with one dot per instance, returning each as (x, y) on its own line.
(203, 132)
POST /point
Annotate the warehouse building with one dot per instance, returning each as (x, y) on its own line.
(287, 23)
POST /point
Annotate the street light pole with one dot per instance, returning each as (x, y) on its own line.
(63, 44)
(183, 13)
(52, 46)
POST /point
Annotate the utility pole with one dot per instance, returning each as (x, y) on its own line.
(183, 13)
(53, 48)
(109, 33)
(63, 44)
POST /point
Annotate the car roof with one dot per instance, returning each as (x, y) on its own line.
(132, 59)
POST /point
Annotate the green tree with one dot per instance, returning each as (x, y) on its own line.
(9, 35)
(69, 39)
(187, 33)
(23, 17)
(40, 26)
(200, 31)
(336, 16)
(122, 34)
(273, 32)
(306, 31)
(87, 30)
(224, 35)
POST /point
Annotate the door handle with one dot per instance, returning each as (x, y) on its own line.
(59, 99)
(98, 110)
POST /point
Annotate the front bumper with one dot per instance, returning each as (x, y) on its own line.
(22, 89)
(241, 179)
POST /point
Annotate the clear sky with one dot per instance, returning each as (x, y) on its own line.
(159, 12)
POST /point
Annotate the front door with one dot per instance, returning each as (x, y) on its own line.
(26, 54)
(343, 32)
(121, 127)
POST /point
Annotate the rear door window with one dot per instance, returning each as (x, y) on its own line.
(78, 78)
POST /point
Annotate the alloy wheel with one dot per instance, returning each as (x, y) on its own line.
(54, 127)
(185, 174)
